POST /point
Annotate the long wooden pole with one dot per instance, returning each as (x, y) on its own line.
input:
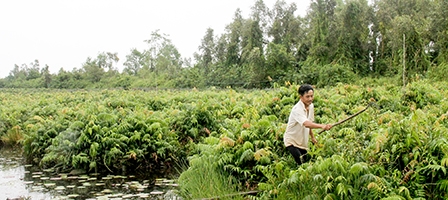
(348, 118)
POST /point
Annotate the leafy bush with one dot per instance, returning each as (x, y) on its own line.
(438, 73)
(395, 150)
(326, 75)
(420, 94)
(329, 75)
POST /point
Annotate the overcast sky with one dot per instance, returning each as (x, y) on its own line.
(63, 33)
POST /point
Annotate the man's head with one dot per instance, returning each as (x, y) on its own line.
(306, 93)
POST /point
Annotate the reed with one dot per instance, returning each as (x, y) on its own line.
(202, 180)
(13, 137)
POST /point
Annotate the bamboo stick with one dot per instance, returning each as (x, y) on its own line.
(348, 118)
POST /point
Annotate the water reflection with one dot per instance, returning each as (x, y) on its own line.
(12, 174)
(28, 182)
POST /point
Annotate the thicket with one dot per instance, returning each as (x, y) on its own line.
(396, 150)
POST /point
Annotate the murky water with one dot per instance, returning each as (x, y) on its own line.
(21, 181)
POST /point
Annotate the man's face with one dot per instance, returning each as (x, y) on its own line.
(307, 98)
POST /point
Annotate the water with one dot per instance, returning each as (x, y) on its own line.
(21, 181)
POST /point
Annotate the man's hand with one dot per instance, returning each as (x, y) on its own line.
(313, 139)
(327, 127)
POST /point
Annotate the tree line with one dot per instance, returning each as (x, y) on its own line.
(336, 41)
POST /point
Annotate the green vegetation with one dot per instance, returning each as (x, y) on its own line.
(231, 141)
(231, 138)
(203, 177)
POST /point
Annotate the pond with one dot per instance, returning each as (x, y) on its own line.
(21, 181)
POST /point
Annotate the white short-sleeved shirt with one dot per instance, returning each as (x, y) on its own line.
(296, 134)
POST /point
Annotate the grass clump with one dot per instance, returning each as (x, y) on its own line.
(204, 179)
(12, 137)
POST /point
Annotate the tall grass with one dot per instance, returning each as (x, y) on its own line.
(12, 137)
(203, 179)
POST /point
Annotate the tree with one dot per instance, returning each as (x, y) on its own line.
(17, 73)
(322, 23)
(216, 76)
(260, 13)
(207, 52)
(279, 62)
(95, 69)
(438, 31)
(134, 62)
(233, 52)
(156, 42)
(221, 50)
(252, 37)
(25, 76)
(93, 72)
(62, 80)
(284, 33)
(168, 61)
(284, 28)
(354, 36)
(106, 60)
(32, 72)
(252, 44)
(415, 57)
(160, 63)
(47, 76)
(393, 19)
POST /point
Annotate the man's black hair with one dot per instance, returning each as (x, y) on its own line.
(304, 89)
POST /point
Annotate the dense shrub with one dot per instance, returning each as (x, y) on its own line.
(396, 149)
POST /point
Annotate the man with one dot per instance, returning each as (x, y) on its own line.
(300, 125)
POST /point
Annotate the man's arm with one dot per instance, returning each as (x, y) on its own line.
(309, 124)
(313, 139)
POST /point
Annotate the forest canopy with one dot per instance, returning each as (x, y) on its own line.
(343, 40)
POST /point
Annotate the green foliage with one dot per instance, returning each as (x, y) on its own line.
(327, 75)
(338, 74)
(233, 140)
(12, 137)
(203, 178)
(438, 73)
(354, 19)
(66, 131)
(421, 94)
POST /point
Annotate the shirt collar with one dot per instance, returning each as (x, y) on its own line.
(303, 105)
